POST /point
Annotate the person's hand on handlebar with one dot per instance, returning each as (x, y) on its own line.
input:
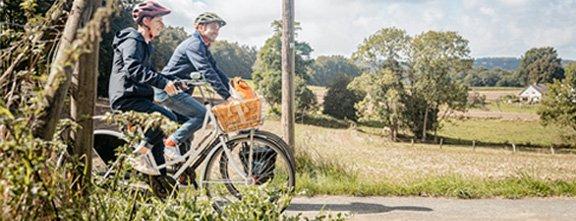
(171, 88)
(175, 87)
(181, 85)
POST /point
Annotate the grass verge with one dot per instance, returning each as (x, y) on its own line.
(322, 176)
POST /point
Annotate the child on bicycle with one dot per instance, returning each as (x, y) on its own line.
(133, 78)
(192, 55)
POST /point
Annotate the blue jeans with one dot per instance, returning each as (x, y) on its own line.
(152, 136)
(190, 112)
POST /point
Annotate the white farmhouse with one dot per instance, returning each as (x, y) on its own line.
(533, 93)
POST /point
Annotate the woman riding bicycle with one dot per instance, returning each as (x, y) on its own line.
(133, 78)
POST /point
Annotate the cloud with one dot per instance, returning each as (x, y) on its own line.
(493, 27)
(488, 11)
(514, 2)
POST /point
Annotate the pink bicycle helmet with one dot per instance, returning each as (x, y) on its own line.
(149, 9)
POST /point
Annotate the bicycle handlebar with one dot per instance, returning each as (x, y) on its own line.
(196, 80)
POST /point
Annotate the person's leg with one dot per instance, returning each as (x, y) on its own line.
(152, 137)
(186, 105)
(180, 118)
(170, 151)
(146, 106)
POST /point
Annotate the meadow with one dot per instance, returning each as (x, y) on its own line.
(361, 160)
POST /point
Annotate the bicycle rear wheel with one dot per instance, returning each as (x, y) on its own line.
(249, 165)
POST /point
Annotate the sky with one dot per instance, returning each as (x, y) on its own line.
(494, 28)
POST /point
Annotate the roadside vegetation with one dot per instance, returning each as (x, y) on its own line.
(362, 164)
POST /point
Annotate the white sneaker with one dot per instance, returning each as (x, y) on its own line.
(144, 163)
(173, 154)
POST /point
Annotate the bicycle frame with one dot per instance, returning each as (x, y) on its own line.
(195, 156)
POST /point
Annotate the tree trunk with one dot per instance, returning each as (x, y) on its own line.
(58, 83)
(394, 130)
(82, 105)
(436, 123)
(425, 125)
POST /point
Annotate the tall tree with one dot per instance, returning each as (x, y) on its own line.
(269, 57)
(340, 101)
(570, 73)
(558, 107)
(327, 70)
(388, 47)
(509, 79)
(267, 73)
(540, 65)
(384, 98)
(484, 77)
(435, 57)
(383, 56)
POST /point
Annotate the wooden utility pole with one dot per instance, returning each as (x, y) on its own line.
(288, 72)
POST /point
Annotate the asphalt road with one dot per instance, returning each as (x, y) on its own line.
(419, 208)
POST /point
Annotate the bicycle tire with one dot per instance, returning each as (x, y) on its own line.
(217, 169)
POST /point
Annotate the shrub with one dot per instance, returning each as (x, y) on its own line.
(476, 100)
(339, 100)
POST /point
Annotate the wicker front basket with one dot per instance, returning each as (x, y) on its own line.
(239, 115)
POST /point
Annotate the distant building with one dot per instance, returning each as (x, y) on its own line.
(533, 93)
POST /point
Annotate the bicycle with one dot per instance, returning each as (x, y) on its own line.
(235, 160)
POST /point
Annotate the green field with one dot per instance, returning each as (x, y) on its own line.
(496, 88)
(511, 108)
(530, 133)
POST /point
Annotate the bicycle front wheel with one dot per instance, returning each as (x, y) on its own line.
(249, 165)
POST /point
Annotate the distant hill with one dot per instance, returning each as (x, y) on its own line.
(505, 63)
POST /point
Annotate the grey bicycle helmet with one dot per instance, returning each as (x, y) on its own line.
(209, 17)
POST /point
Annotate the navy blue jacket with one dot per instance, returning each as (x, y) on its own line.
(132, 74)
(192, 55)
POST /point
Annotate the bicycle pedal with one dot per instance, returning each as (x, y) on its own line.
(188, 178)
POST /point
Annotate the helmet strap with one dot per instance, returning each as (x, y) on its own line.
(149, 32)
(148, 29)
